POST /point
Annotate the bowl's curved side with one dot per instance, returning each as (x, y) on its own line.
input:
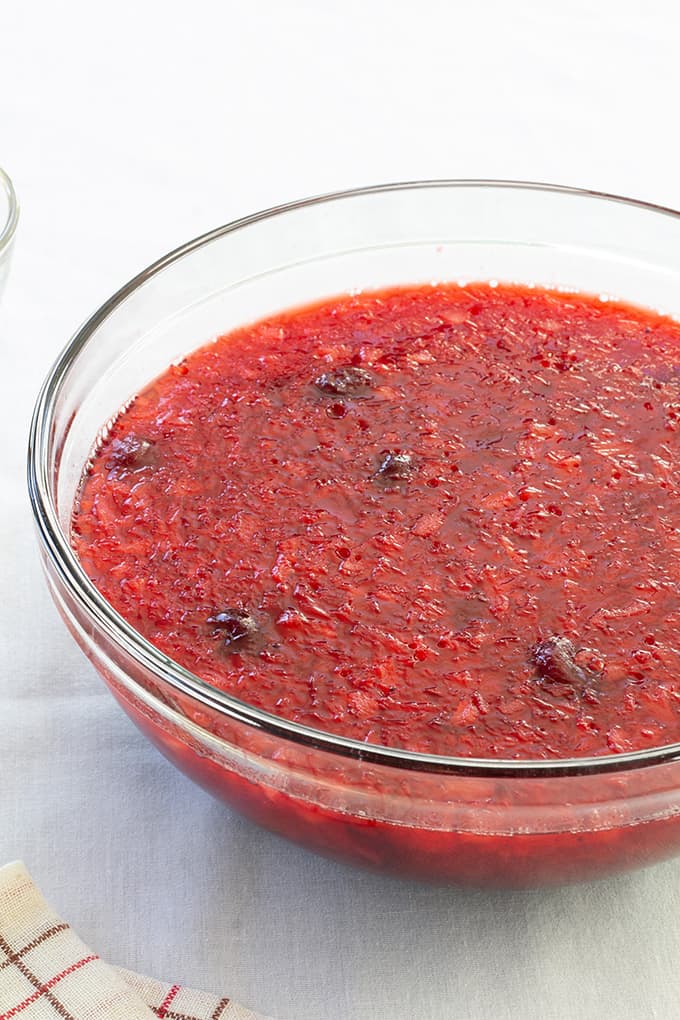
(504, 832)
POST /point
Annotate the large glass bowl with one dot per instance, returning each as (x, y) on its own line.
(448, 819)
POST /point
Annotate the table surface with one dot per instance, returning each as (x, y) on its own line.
(128, 132)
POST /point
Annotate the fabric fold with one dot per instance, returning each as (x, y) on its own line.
(47, 972)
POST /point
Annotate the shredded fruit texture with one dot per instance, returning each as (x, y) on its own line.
(440, 518)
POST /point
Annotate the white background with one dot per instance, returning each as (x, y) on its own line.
(130, 127)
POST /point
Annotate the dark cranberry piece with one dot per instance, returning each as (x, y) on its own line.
(344, 382)
(233, 626)
(556, 659)
(337, 409)
(394, 467)
(129, 454)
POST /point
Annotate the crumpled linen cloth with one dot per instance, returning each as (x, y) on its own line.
(47, 972)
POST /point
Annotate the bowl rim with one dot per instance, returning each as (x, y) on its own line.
(8, 228)
(56, 546)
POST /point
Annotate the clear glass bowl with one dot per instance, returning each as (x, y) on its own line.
(447, 819)
(9, 216)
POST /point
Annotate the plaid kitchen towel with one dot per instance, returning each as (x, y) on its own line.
(47, 973)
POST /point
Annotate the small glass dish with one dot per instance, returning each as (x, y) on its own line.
(480, 821)
(9, 217)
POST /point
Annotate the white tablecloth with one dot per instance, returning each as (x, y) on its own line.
(129, 127)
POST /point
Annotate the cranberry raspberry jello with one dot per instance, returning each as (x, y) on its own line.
(393, 573)
(437, 518)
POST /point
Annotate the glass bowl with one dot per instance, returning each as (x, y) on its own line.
(438, 818)
(9, 216)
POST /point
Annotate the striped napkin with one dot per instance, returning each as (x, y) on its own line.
(47, 973)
